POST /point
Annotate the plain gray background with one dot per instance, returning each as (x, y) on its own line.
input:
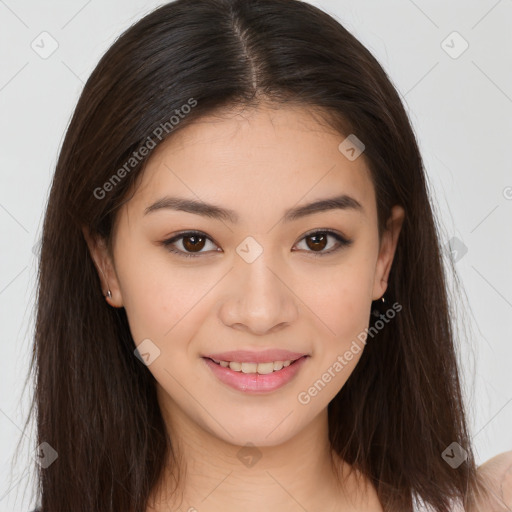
(460, 103)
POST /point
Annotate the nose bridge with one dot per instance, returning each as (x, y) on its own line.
(260, 300)
(255, 259)
(259, 277)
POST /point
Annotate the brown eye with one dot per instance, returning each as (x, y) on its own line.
(192, 244)
(317, 241)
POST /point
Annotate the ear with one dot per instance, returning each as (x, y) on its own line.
(105, 267)
(387, 250)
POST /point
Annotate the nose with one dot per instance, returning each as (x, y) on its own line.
(260, 300)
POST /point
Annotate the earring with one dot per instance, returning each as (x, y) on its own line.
(109, 293)
(378, 303)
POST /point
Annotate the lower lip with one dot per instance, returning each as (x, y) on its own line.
(254, 382)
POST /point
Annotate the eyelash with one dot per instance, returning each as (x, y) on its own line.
(343, 242)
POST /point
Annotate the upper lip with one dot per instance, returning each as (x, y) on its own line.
(263, 356)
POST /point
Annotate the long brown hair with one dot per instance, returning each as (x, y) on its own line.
(96, 403)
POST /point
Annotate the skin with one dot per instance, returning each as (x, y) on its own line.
(497, 476)
(258, 163)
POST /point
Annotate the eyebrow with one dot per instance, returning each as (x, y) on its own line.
(341, 202)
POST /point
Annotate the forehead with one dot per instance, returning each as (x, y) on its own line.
(258, 159)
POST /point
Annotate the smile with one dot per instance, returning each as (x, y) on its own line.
(255, 378)
(260, 368)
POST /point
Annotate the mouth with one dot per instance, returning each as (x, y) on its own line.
(255, 378)
(263, 368)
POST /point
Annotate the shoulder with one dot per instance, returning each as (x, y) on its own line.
(496, 475)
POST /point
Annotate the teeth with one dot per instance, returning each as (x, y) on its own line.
(261, 368)
(237, 367)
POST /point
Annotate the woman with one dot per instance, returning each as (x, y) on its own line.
(241, 183)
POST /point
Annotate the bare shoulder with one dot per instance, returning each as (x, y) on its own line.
(496, 474)
(497, 477)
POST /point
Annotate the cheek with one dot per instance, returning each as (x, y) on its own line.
(342, 313)
(340, 297)
(341, 304)
(157, 296)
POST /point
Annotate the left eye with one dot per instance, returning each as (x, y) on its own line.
(194, 241)
(318, 240)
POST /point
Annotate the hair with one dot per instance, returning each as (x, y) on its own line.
(96, 403)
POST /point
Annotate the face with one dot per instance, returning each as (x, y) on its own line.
(261, 278)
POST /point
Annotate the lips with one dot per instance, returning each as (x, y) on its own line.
(262, 356)
(256, 383)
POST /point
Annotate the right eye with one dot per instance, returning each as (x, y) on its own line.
(191, 241)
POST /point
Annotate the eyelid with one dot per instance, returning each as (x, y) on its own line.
(342, 240)
(329, 231)
(183, 234)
